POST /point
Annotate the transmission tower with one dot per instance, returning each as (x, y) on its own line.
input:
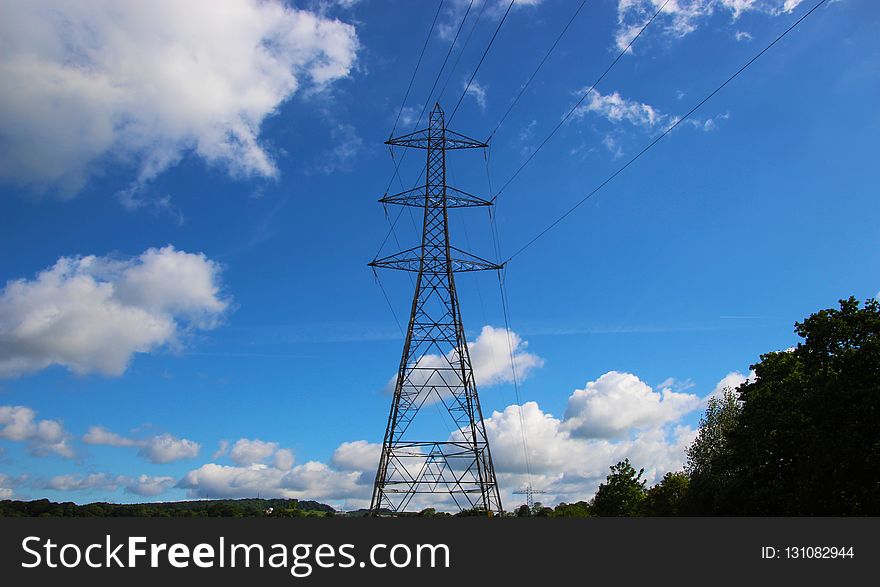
(529, 492)
(436, 366)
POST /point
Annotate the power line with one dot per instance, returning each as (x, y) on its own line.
(416, 70)
(489, 46)
(431, 93)
(522, 425)
(464, 47)
(388, 301)
(579, 102)
(666, 132)
(537, 69)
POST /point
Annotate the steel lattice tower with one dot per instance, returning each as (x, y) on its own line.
(436, 366)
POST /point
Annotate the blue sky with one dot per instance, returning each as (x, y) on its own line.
(186, 219)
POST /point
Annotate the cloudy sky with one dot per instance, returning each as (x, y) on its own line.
(188, 203)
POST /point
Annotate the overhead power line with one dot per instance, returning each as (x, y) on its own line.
(467, 41)
(584, 97)
(666, 132)
(537, 69)
(416, 70)
(396, 172)
(477, 68)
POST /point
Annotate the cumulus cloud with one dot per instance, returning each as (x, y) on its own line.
(145, 83)
(731, 381)
(311, 480)
(359, 455)
(162, 448)
(43, 437)
(490, 358)
(101, 436)
(91, 314)
(284, 459)
(76, 482)
(143, 485)
(166, 448)
(678, 19)
(147, 486)
(617, 403)
(617, 416)
(249, 452)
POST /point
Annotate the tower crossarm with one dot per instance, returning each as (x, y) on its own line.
(423, 139)
(455, 198)
(411, 260)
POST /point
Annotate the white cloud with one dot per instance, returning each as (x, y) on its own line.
(145, 83)
(143, 485)
(616, 108)
(731, 381)
(162, 448)
(311, 480)
(98, 435)
(617, 403)
(359, 455)
(148, 486)
(284, 459)
(250, 452)
(222, 449)
(568, 467)
(166, 448)
(91, 314)
(680, 18)
(477, 92)
(490, 358)
(6, 491)
(743, 36)
(44, 437)
(75, 482)
(617, 416)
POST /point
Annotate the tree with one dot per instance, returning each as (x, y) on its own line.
(523, 511)
(622, 494)
(807, 437)
(580, 509)
(708, 458)
(667, 498)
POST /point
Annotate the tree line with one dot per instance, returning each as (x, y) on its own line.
(225, 508)
(802, 438)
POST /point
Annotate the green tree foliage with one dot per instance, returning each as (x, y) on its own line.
(580, 509)
(709, 463)
(231, 508)
(622, 494)
(807, 437)
(667, 498)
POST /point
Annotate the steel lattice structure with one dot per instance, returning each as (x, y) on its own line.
(436, 366)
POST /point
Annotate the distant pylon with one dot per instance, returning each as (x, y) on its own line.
(529, 492)
(436, 366)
